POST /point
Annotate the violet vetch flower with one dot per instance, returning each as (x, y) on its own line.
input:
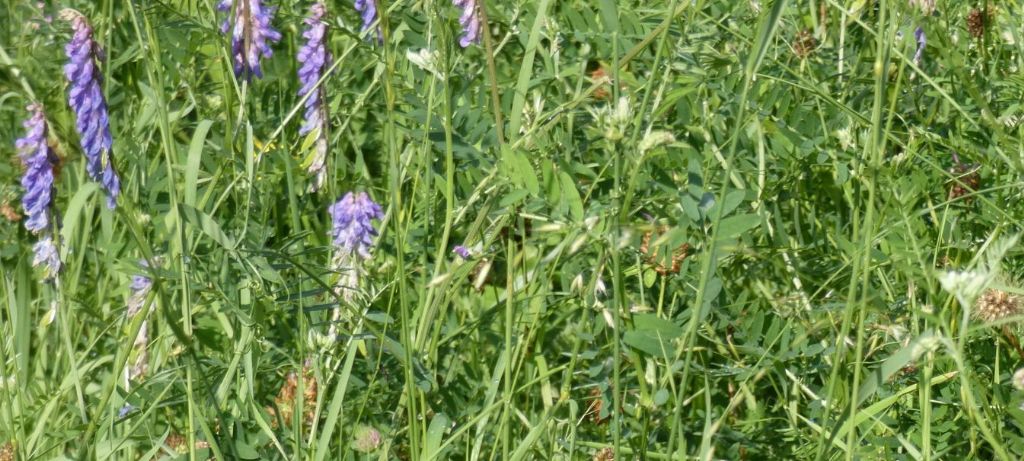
(470, 21)
(39, 161)
(139, 289)
(314, 60)
(352, 230)
(86, 99)
(922, 41)
(368, 13)
(462, 251)
(251, 34)
(46, 255)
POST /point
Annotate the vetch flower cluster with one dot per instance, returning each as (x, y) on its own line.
(90, 107)
(313, 60)
(352, 233)
(251, 35)
(470, 21)
(352, 229)
(39, 161)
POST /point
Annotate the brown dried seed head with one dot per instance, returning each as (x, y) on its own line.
(7, 452)
(977, 20)
(804, 44)
(11, 214)
(995, 305)
(600, 76)
(651, 256)
(605, 454)
(177, 443)
(595, 406)
(967, 179)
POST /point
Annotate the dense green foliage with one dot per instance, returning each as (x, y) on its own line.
(698, 229)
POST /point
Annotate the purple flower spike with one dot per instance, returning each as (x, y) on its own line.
(86, 99)
(368, 12)
(922, 41)
(352, 230)
(470, 21)
(39, 161)
(314, 60)
(462, 251)
(249, 22)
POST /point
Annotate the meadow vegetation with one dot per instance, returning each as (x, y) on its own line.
(607, 229)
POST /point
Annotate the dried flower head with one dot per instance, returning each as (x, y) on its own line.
(995, 305)
(314, 59)
(251, 35)
(659, 265)
(966, 178)
(285, 400)
(470, 22)
(352, 229)
(367, 439)
(926, 6)
(9, 212)
(804, 44)
(605, 454)
(978, 20)
(600, 77)
(7, 452)
(89, 105)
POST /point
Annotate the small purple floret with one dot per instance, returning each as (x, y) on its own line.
(351, 217)
(470, 21)
(368, 13)
(46, 255)
(462, 251)
(922, 41)
(86, 99)
(251, 35)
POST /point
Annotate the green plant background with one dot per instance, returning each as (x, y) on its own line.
(807, 321)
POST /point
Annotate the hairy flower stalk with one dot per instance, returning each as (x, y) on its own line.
(352, 233)
(251, 35)
(368, 13)
(139, 290)
(90, 107)
(39, 161)
(470, 21)
(314, 60)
